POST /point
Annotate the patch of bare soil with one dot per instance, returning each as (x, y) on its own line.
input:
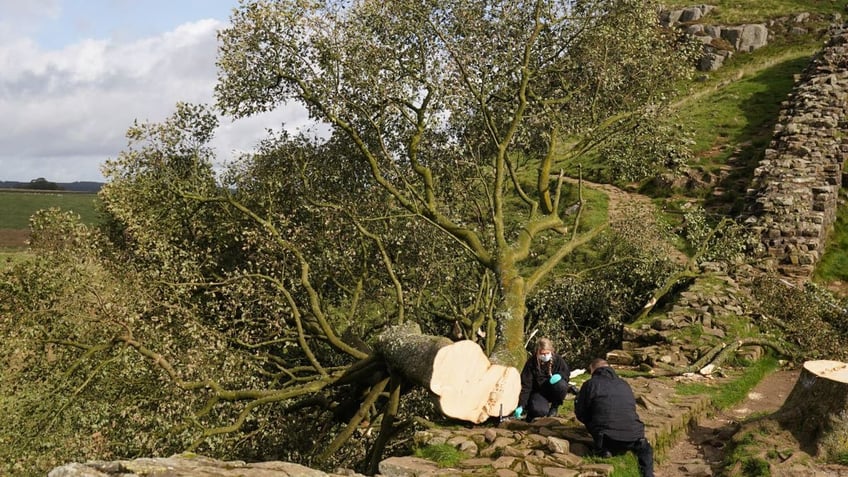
(838, 287)
(704, 451)
(13, 237)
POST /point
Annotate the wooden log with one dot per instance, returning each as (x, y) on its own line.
(464, 383)
(819, 396)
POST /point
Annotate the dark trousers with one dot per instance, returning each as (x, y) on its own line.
(546, 401)
(605, 446)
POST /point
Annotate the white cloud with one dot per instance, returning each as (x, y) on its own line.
(25, 17)
(66, 110)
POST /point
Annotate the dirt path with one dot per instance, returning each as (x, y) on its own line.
(623, 206)
(701, 452)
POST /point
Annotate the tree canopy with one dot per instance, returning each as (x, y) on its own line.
(460, 111)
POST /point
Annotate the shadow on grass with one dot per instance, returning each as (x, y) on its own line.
(763, 94)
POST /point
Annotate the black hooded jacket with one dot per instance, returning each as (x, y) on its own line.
(536, 375)
(606, 405)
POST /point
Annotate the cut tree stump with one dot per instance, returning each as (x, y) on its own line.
(819, 396)
(464, 383)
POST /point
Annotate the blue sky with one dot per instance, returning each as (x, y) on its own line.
(75, 74)
(122, 20)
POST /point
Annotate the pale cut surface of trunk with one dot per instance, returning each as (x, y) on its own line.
(464, 383)
(470, 387)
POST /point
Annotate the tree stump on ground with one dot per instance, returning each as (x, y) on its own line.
(464, 383)
(817, 403)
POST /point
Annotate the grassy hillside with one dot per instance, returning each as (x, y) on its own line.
(750, 11)
(731, 112)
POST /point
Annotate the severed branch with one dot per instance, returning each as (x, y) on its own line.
(387, 428)
(354, 422)
(722, 351)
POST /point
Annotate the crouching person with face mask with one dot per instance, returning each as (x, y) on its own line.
(544, 382)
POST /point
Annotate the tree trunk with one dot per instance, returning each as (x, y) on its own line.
(464, 383)
(815, 403)
(509, 347)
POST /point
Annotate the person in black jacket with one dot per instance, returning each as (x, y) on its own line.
(544, 382)
(607, 407)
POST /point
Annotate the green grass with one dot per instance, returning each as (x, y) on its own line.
(729, 393)
(17, 207)
(445, 455)
(741, 114)
(731, 116)
(733, 12)
(834, 263)
(624, 465)
(9, 258)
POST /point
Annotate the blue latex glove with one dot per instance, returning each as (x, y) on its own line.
(555, 379)
(518, 411)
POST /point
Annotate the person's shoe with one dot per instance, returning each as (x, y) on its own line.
(553, 411)
(605, 454)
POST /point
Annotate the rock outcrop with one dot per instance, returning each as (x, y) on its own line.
(720, 42)
(189, 465)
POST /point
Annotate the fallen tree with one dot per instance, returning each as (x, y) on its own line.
(464, 383)
(719, 353)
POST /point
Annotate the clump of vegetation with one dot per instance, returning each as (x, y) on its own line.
(445, 455)
(585, 311)
(755, 467)
(744, 457)
(834, 444)
(809, 316)
(621, 160)
(624, 465)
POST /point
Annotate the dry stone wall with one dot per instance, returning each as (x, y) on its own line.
(793, 197)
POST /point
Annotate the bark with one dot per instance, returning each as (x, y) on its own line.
(819, 397)
(464, 383)
(509, 346)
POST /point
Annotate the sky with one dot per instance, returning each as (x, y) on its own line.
(75, 74)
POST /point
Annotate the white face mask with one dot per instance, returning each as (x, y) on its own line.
(545, 357)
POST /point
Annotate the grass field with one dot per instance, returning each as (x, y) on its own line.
(16, 207)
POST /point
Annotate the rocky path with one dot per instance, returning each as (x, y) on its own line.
(701, 452)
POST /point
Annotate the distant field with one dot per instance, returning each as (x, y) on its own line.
(16, 207)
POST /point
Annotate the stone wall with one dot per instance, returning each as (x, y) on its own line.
(793, 196)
